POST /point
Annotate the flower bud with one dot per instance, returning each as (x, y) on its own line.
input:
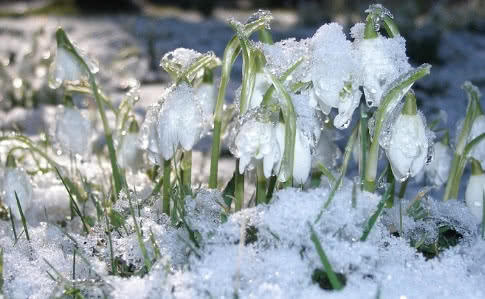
(408, 145)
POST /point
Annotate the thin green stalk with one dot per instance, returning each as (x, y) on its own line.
(363, 143)
(271, 187)
(391, 97)
(459, 157)
(22, 217)
(483, 217)
(13, 224)
(261, 184)
(343, 170)
(288, 111)
(64, 42)
(231, 52)
(166, 187)
(392, 187)
(74, 265)
(146, 259)
(239, 188)
(186, 165)
(265, 36)
(334, 281)
(402, 190)
(110, 242)
(373, 219)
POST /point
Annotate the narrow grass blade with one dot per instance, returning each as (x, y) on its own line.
(13, 224)
(334, 281)
(373, 219)
(22, 216)
(108, 231)
(483, 216)
(73, 202)
(146, 259)
(326, 172)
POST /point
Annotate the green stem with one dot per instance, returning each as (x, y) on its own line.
(363, 143)
(271, 187)
(166, 187)
(390, 99)
(261, 184)
(63, 41)
(186, 166)
(239, 188)
(403, 188)
(231, 52)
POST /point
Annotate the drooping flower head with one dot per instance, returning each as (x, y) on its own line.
(407, 150)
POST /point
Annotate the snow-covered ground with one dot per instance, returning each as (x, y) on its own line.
(260, 252)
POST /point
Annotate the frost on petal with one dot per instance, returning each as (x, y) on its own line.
(408, 146)
(282, 55)
(349, 101)
(73, 131)
(382, 61)
(130, 155)
(256, 140)
(148, 136)
(261, 85)
(303, 159)
(207, 95)
(180, 120)
(437, 171)
(17, 181)
(332, 63)
(474, 194)
(306, 117)
(478, 128)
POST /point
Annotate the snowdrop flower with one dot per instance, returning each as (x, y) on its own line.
(261, 85)
(17, 181)
(437, 171)
(73, 131)
(382, 61)
(180, 121)
(303, 158)
(408, 145)
(478, 128)
(148, 136)
(334, 73)
(256, 140)
(66, 66)
(475, 191)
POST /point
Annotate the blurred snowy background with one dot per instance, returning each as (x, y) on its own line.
(129, 37)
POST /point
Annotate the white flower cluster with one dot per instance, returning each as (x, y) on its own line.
(177, 121)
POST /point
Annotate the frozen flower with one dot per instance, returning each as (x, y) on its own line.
(66, 67)
(408, 146)
(257, 140)
(261, 85)
(148, 136)
(73, 131)
(130, 155)
(17, 181)
(334, 73)
(382, 61)
(475, 191)
(478, 128)
(302, 162)
(437, 171)
(180, 121)
(207, 95)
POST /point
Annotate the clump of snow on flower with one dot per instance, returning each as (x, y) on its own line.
(334, 73)
(382, 60)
